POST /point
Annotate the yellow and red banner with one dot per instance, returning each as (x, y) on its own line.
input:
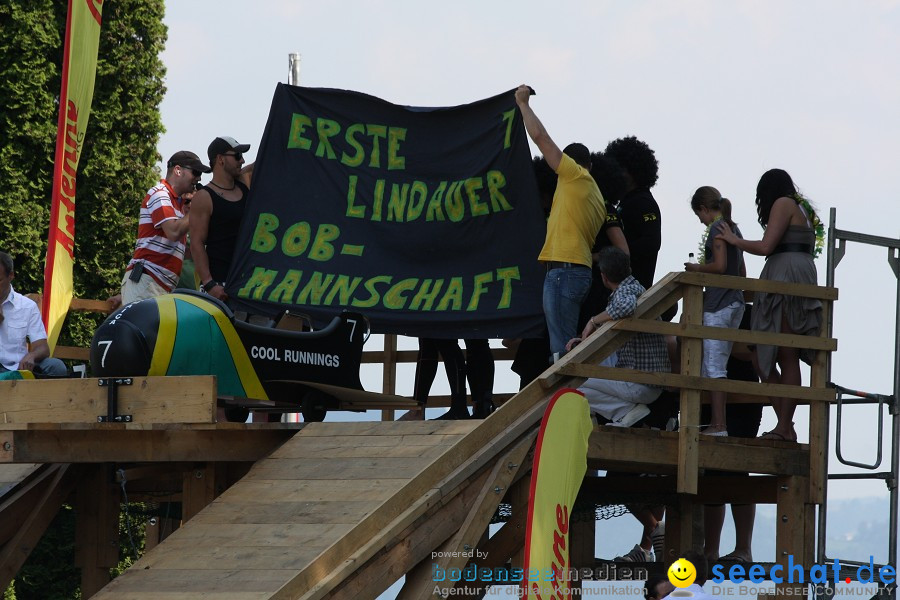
(78, 71)
(560, 462)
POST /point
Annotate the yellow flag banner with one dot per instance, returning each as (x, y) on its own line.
(78, 71)
(560, 462)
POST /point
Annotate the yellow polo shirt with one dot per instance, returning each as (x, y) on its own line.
(576, 216)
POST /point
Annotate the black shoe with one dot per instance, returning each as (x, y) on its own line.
(454, 414)
(483, 408)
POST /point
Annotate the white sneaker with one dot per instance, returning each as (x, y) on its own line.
(637, 412)
(637, 554)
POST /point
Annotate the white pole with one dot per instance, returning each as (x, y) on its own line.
(293, 79)
(294, 66)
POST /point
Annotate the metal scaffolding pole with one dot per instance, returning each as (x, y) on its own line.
(837, 241)
(294, 68)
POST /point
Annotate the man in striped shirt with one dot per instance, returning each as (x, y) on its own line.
(162, 226)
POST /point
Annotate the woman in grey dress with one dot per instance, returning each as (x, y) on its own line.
(789, 245)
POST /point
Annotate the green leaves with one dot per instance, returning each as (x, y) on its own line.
(118, 159)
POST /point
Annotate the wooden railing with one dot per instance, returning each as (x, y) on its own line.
(581, 362)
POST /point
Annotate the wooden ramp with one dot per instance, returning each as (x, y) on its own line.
(15, 483)
(12, 475)
(344, 510)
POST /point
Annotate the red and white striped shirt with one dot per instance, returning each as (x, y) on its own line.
(162, 257)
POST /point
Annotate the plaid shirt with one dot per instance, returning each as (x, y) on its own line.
(644, 351)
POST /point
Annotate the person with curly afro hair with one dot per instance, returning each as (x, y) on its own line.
(608, 175)
(576, 216)
(638, 210)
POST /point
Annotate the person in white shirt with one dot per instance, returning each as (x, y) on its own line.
(20, 324)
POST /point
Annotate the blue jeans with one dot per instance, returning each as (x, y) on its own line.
(564, 291)
(49, 366)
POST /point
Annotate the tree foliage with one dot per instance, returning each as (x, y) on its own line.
(50, 572)
(119, 156)
(30, 57)
(117, 166)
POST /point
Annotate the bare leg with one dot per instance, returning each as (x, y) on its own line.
(713, 519)
(788, 360)
(744, 516)
(717, 404)
(649, 521)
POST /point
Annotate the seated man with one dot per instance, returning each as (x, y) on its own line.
(21, 319)
(622, 402)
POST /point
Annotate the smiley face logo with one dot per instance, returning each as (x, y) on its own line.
(682, 573)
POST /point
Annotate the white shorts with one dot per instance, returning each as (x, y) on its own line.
(146, 287)
(716, 352)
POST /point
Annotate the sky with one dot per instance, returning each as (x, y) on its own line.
(722, 91)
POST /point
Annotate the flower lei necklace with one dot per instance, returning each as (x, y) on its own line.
(701, 257)
(817, 225)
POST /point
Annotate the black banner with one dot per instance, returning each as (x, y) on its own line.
(426, 220)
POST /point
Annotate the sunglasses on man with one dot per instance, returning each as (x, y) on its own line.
(194, 172)
(235, 155)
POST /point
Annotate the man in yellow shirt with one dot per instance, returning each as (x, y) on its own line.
(576, 216)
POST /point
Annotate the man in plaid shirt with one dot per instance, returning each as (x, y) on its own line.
(622, 402)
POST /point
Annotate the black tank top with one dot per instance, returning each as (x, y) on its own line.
(221, 237)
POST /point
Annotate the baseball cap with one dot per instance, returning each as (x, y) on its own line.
(224, 144)
(189, 160)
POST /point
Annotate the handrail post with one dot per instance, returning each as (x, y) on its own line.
(689, 423)
(819, 417)
(389, 372)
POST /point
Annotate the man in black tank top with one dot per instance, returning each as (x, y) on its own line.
(216, 213)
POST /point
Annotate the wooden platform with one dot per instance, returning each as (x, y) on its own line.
(140, 442)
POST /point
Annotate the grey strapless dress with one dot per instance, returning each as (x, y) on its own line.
(803, 315)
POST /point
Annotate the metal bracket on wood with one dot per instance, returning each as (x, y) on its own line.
(112, 400)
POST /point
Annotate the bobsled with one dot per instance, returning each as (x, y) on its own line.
(192, 333)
